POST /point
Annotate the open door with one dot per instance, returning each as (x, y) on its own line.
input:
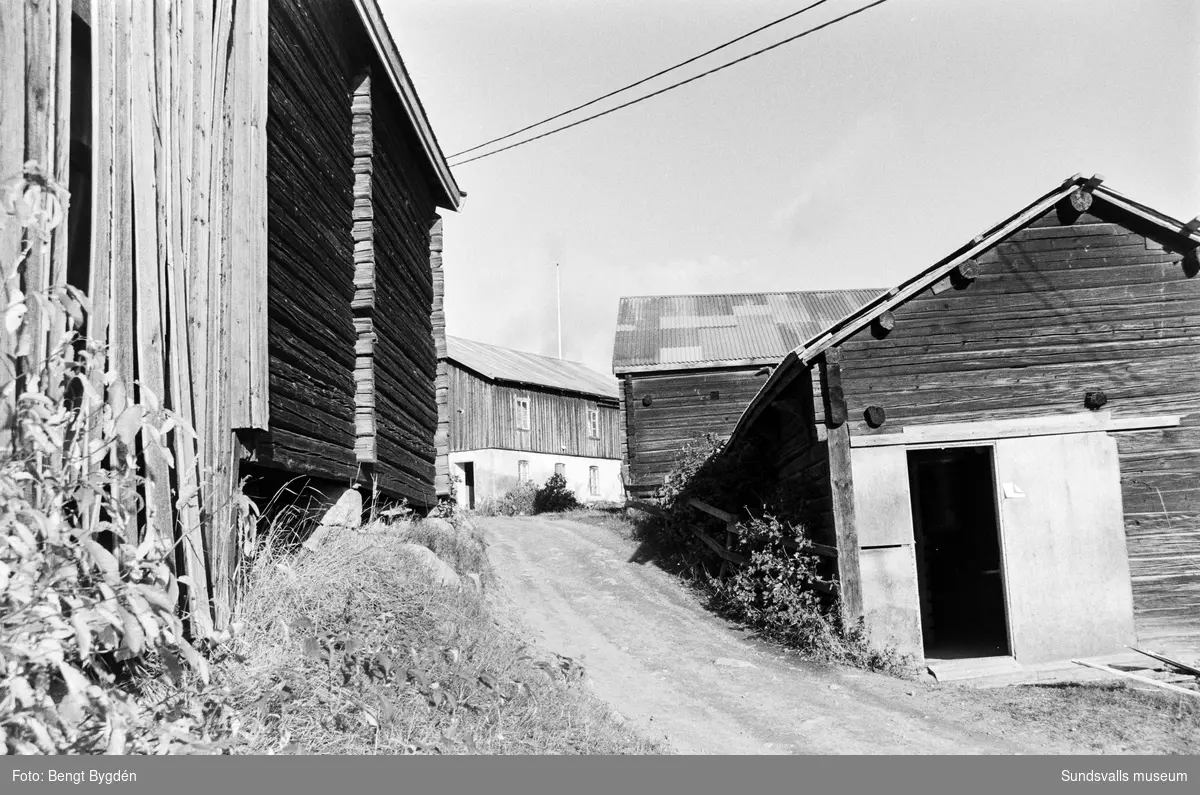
(1063, 540)
(959, 572)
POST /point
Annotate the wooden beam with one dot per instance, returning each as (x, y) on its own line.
(1135, 677)
(1189, 669)
(814, 348)
(721, 551)
(1053, 425)
(845, 529)
(12, 155)
(724, 516)
(831, 388)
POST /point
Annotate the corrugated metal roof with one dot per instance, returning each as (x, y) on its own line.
(674, 332)
(506, 364)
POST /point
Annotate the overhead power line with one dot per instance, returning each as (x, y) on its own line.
(622, 89)
(673, 86)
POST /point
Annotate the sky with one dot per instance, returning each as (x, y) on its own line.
(853, 157)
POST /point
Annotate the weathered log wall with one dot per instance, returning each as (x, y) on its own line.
(681, 406)
(1105, 303)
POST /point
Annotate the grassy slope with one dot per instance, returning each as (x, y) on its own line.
(382, 642)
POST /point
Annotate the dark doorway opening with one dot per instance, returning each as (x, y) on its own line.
(958, 552)
(468, 468)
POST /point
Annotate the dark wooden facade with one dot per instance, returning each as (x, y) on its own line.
(351, 209)
(222, 222)
(1064, 305)
(661, 412)
(483, 415)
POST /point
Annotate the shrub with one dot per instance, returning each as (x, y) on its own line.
(554, 497)
(518, 501)
(774, 592)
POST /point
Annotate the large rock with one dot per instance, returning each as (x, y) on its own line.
(344, 512)
(438, 524)
(437, 568)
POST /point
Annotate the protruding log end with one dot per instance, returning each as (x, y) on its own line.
(1095, 401)
(1191, 263)
(837, 406)
(1081, 200)
(969, 270)
(875, 416)
(883, 324)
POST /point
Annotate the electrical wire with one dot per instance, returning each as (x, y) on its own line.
(673, 85)
(679, 65)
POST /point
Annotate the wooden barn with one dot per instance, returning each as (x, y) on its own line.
(517, 416)
(1004, 450)
(689, 365)
(254, 193)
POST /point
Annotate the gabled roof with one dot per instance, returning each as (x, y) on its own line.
(682, 332)
(372, 18)
(835, 333)
(529, 369)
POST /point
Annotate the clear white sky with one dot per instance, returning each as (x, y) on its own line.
(849, 158)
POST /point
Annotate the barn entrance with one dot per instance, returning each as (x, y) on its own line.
(957, 550)
(466, 476)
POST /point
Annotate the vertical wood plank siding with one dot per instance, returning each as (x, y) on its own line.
(177, 96)
(681, 409)
(222, 253)
(1057, 310)
(482, 416)
(311, 261)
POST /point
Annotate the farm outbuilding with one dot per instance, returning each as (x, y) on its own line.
(254, 193)
(689, 365)
(1004, 449)
(516, 416)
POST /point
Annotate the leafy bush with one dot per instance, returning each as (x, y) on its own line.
(518, 501)
(87, 593)
(776, 592)
(554, 497)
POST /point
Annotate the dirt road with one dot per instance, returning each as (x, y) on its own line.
(679, 672)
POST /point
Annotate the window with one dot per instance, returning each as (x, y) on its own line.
(593, 481)
(521, 405)
(522, 471)
(593, 423)
(560, 469)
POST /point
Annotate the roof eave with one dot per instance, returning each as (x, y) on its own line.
(451, 197)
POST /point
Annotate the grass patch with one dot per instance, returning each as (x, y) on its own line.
(355, 650)
(1108, 717)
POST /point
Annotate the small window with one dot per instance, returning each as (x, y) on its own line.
(522, 471)
(593, 423)
(560, 469)
(593, 481)
(521, 405)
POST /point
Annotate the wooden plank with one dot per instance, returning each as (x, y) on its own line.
(103, 124)
(1189, 669)
(149, 292)
(41, 55)
(1135, 677)
(1014, 428)
(12, 154)
(724, 516)
(842, 482)
(931, 276)
(61, 148)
